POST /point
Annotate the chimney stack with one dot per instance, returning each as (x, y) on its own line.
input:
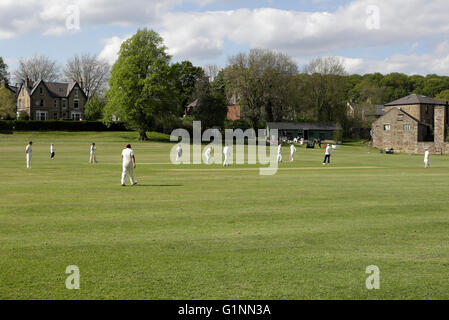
(27, 81)
(81, 83)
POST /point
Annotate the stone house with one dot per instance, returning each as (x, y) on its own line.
(51, 100)
(412, 124)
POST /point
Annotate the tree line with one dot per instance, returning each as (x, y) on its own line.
(146, 91)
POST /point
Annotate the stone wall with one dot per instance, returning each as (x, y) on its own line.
(409, 141)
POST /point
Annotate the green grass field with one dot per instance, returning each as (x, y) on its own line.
(204, 232)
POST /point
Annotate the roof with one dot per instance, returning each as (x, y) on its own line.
(193, 104)
(415, 99)
(233, 113)
(329, 126)
(376, 110)
(56, 89)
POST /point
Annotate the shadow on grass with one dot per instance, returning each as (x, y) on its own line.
(159, 185)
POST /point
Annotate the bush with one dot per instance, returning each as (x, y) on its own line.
(338, 136)
(58, 125)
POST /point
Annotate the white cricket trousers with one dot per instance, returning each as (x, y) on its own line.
(426, 163)
(207, 159)
(279, 159)
(93, 157)
(128, 169)
(28, 160)
(225, 163)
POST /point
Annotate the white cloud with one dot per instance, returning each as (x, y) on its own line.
(437, 61)
(49, 17)
(111, 49)
(305, 33)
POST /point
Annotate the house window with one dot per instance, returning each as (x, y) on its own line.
(76, 92)
(64, 103)
(41, 115)
(76, 104)
(56, 103)
(386, 127)
(55, 116)
(400, 117)
(406, 127)
(427, 109)
(41, 103)
(41, 91)
(76, 116)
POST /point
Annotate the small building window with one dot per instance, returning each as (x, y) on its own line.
(400, 117)
(41, 91)
(41, 115)
(406, 127)
(386, 127)
(56, 103)
(64, 103)
(76, 92)
(76, 104)
(427, 109)
(55, 116)
(41, 103)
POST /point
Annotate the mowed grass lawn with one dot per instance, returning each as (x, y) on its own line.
(204, 232)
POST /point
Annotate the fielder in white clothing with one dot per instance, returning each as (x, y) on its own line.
(28, 152)
(226, 156)
(129, 164)
(93, 157)
(52, 151)
(292, 152)
(426, 158)
(178, 153)
(327, 155)
(207, 154)
(279, 158)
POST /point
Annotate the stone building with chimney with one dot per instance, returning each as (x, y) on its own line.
(412, 124)
(51, 100)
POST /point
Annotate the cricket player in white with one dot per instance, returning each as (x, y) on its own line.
(52, 151)
(93, 157)
(226, 156)
(129, 164)
(207, 154)
(426, 158)
(279, 159)
(292, 152)
(28, 152)
(178, 153)
(327, 155)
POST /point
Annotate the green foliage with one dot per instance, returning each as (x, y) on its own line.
(7, 102)
(141, 90)
(23, 115)
(185, 77)
(212, 105)
(94, 109)
(3, 69)
(443, 95)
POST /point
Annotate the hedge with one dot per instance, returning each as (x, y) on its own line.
(58, 125)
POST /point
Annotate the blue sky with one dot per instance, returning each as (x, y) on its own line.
(395, 36)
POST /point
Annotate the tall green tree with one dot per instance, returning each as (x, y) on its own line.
(212, 105)
(185, 77)
(7, 101)
(324, 89)
(94, 108)
(263, 79)
(141, 87)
